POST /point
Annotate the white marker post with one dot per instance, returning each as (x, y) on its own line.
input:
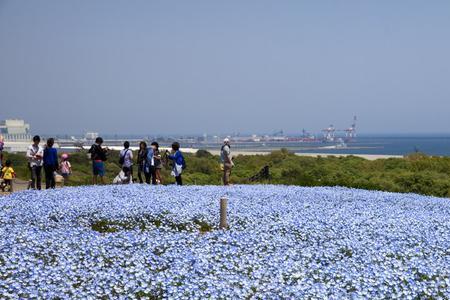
(223, 213)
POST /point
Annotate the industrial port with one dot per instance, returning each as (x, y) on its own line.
(17, 135)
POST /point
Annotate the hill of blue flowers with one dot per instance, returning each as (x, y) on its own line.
(141, 241)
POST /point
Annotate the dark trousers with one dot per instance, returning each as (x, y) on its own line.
(140, 171)
(150, 176)
(179, 180)
(36, 178)
(49, 177)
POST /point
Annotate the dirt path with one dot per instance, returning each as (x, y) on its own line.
(18, 185)
(21, 185)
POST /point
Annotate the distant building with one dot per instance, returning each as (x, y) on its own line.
(15, 130)
(91, 136)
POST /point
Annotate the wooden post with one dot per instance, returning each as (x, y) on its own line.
(223, 213)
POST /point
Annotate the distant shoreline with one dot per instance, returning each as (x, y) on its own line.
(246, 153)
(365, 156)
(253, 152)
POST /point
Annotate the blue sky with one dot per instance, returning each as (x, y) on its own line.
(156, 67)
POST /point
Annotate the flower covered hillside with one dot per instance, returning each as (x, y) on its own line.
(145, 242)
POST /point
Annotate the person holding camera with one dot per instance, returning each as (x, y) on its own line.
(179, 164)
(35, 154)
(98, 157)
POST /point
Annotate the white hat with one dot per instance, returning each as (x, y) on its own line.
(226, 140)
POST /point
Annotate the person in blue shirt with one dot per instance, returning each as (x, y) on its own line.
(50, 164)
(179, 163)
(149, 167)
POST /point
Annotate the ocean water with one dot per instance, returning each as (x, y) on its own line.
(378, 145)
(439, 146)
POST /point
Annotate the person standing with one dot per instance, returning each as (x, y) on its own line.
(8, 174)
(98, 157)
(65, 168)
(179, 164)
(50, 164)
(34, 156)
(126, 160)
(149, 168)
(227, 161)
(157, 162)
(1, 151)
(141, 158)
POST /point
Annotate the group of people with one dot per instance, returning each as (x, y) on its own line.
(39, 158)
(150, 162)
(46, 158)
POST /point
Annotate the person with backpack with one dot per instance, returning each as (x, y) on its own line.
(50, 164)
(141, 159)
(179, 164)
(126, 161)
(98, 157)
(34, 155)
(226, 160)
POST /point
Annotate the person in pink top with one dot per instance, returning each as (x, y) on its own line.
(65, 168)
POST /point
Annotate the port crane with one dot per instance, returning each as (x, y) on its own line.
(329, 134)
(350, 133)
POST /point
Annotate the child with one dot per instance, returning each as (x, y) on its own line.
(7, 175)
(65, 168)
(178, 162)
(122, 178)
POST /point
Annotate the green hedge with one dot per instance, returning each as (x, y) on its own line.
(415, 173)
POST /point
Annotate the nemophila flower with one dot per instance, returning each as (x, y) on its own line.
(283, 242)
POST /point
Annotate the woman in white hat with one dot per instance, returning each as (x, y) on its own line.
(227, 161)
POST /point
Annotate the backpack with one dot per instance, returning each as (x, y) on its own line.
(122, 157)
(183, 164)
(97, 153)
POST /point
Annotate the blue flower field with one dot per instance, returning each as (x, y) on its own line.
(146, 242)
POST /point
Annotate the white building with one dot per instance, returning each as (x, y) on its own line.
(15, 130)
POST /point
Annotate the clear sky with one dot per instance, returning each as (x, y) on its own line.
(158, 67)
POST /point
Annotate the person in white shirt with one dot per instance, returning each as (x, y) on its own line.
(35, 154)
(126, 160)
